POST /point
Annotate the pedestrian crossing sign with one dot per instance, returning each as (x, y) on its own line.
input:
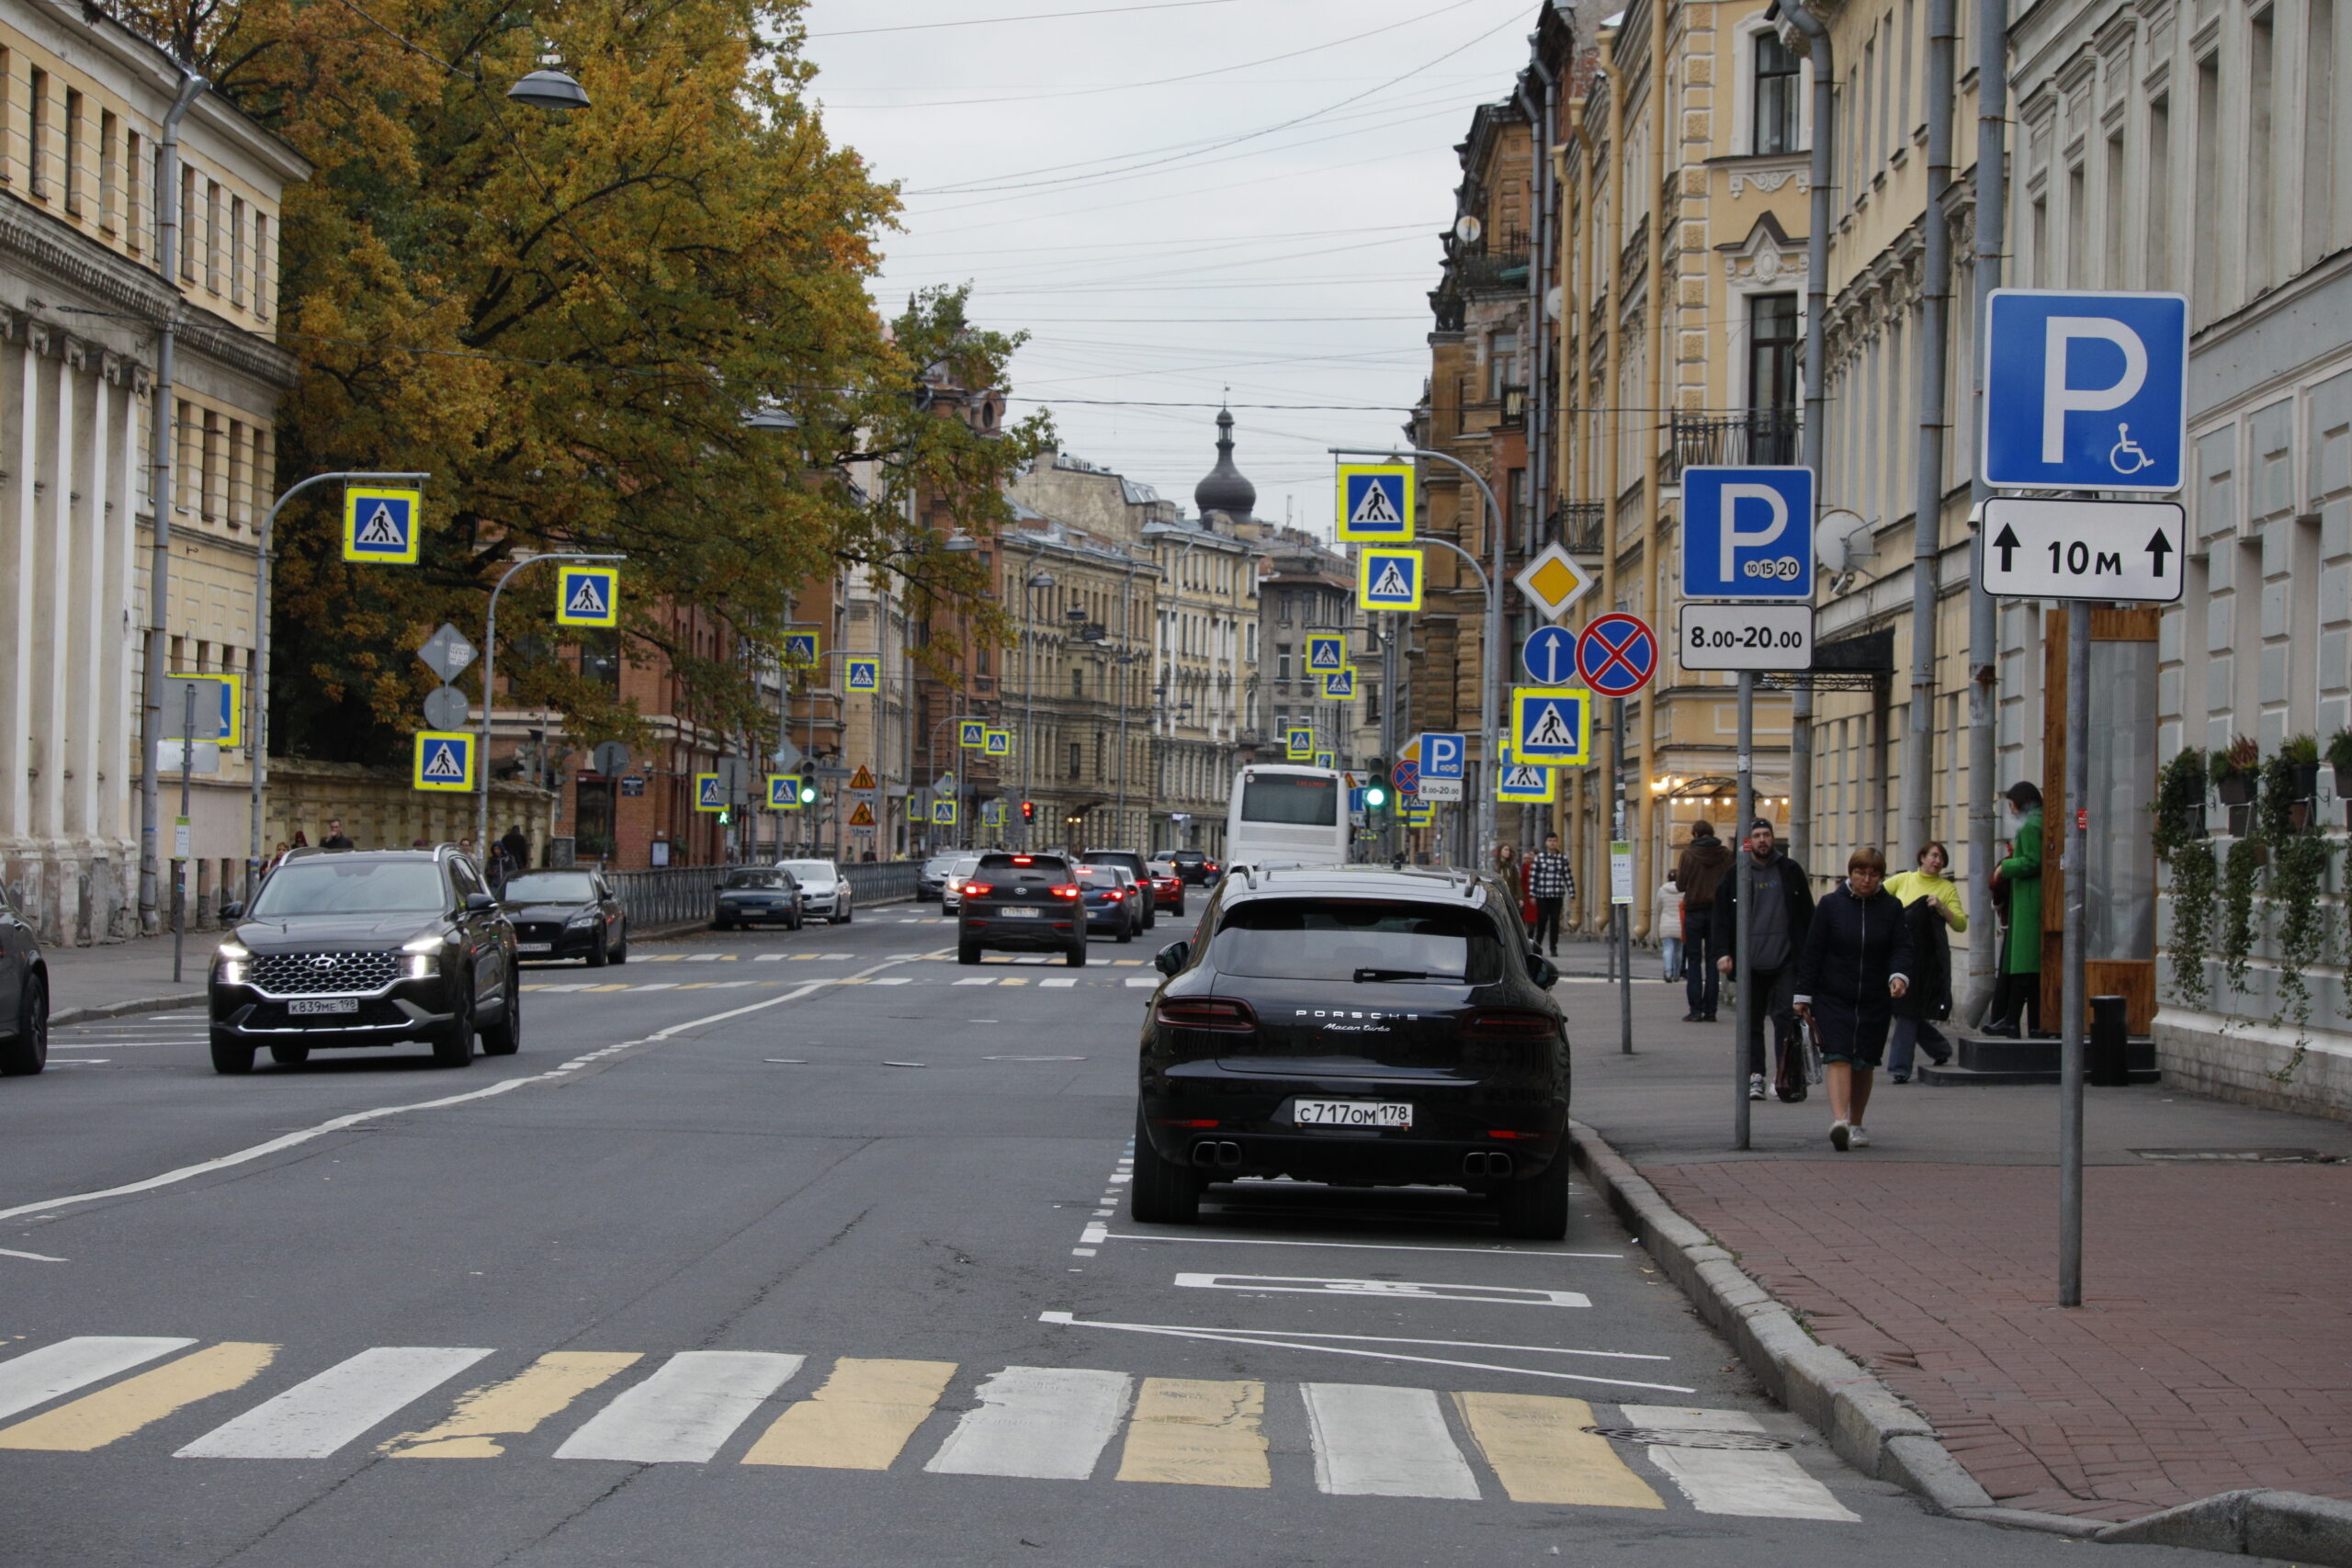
(1551, 725)
(445, 761)
(1420, 816)
(997, 742)
(1300, 743)
(1527, 784)
(783, 792)
(587, 596)
(862, 816)
(1339, 686)
(1325, 653)
(1326, 760)
(224, 728)
(992, 814)
(942, 813)
(864, 674)
(972, 734)
(1389, 579)
(800, 650)
(710, 795)
(1376, 502)
(379, 526)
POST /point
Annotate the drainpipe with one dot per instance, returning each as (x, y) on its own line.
(1640, 820)
(1992, 235)
(1815, 47)
(1613, 429)
(163, 445)
(1928, 500)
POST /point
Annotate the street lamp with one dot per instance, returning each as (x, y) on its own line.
(550, 88)
(1037, 581)
(489, 667)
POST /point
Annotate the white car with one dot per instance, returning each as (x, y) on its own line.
(951, 897)
(824, 892)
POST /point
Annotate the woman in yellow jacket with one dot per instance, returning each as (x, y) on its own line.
(1931, 901)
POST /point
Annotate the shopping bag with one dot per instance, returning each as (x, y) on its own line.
(1791, 1077)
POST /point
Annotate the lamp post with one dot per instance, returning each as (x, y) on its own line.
(1036, 579)
(489, 683)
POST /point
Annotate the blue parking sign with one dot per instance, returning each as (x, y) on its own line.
(2084, 390)
(1443, 753)
(1747, 533)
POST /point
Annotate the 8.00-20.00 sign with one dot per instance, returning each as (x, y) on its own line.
(1744, 636)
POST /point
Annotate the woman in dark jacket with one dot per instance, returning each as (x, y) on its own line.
(1857, 961)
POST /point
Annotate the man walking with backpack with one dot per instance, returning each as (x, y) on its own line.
(1699, 873)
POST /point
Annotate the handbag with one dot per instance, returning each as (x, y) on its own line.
(1797, 1064)
(1526, 910)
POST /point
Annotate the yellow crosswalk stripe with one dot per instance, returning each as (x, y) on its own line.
(1194, 1432)
(608, 988)
(1538, 1450)
(512, 1408)
(859, 1419)
(97, 1420)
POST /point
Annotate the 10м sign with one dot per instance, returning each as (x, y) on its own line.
(2084, 550)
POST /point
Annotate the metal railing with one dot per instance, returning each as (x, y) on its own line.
(882, 881)
(1580, 527)
(680, 895)
(1760, 435)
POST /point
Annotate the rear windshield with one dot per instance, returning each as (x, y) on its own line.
(811, 870)
(1335, 939)
(939, 866)
(551, 887)
(352, 887)
(1098, 875)
(1052, 868)
(1293, 800)
(757, 876)
(1115, 857)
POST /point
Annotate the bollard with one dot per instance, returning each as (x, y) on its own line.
(2108, 1064)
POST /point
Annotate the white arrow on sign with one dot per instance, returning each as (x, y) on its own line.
(2085, 549)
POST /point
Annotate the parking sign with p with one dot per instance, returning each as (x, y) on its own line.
(1747, 533)
(2084, 390)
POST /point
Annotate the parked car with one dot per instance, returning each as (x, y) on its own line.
(23, 995)
(1022, 904)
(1137, 867)
(1197, 868)
(931, 882)
(758, 895)
(951, 892)
(1111, 900)
(349, 948)
(566, 914)
(1359, 1026)
(825, 893)
(1166, 887)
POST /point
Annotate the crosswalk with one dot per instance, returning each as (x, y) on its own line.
(165, 1395)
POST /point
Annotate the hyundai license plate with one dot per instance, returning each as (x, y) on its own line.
(323, 1004)
(1016, 912)
(1351, 1113)
(534, 947)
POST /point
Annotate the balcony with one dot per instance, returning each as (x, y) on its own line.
(1482, 265)
(1580, 527)
(1761, 435)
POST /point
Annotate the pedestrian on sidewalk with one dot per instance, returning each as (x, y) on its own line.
(335, 839)
(1776, 937)
(1669, 905)
(1930, 902)
(1553, 882)
(2017, 988)
(1699, 872)
(1856, 965)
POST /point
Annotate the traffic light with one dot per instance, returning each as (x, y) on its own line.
(808, 792)
(1376, 796)
(1028, 811)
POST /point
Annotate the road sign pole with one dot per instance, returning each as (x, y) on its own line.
(1743, 864)
(179, 863)
(2073, 1001)
(1623, 912)
(489, 672)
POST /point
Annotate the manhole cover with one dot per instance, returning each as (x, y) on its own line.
(1691, 1438)
(2245, 1157)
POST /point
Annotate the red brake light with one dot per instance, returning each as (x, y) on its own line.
(1067, 890)
(1509, 1028)
(974, 890)
(1177, 1122)
(1220, 1014)
(1022, 860)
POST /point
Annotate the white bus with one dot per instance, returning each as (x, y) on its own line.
(1284, 814)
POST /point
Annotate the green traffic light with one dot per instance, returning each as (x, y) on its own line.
(1376, 796)
(808, 794)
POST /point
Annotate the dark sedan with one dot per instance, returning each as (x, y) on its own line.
(1112, 905)
(931, 882)
(754, 895)
(566, 914)
(1021, 904)
(1362, 1026)
(1194, 867)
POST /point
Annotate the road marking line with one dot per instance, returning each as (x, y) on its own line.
(686, 1411)
(1402, 1290)
(1538, 1448)
(613, 988)
(860, 1418)
(36, 1256)
(1013, 980)
(660, 957)
(664, 986)
(38, 1376)
(767, 957)
(99, 1418)
(321, 1414)
(1045, 1423)
(1139, 982)
(1363, 1245)
(891, 980)
(1128, 962)
(977, 980)
(512, 1408)
(1053, 985)
(1754, 1484)
(1372, 1441)
(1192, 1432)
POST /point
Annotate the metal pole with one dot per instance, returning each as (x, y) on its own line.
(1621, 914)
(179, 862)
(1743, 867)
(2070, 1030)
(1819, 56)
(489, 688)
(1983, 624)
(1388, 737)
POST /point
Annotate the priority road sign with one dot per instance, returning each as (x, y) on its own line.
(220, 707)
(2084, 390)
(863, 778)
(1389, 579)
(1326, 652)
(1375, 503)
(1553, 582)
(711, 793)
(587, 596)
(997, 743)
(783, 792)
(800, 650)
(1551, 725)
(942, 813)
(1527, 784)
(1338, 685)
(1744, 636)
(944, 784)
(2085, 549)
(1549, 655)
(1298, 743)
(864, 674)
(1617, 654)
(444, 761)
(1747, 533)
(380, 525)
(1445, 754)
(972, 733)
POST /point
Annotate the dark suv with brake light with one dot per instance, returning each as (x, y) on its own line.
(1359, 1026)
(1021, 904)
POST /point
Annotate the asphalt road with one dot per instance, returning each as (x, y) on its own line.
(776, 1248)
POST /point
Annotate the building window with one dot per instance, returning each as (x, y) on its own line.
(135, 190)
(36, 142)
(237, 250)
(1502, 365)
(1773, 338)
(109, 135)
(1075, 748)
(187, 224)
(1078, 682)
(1282, 661)
(1777, 72)
(73, 171)
(212, 236)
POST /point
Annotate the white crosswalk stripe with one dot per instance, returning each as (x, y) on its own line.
(1372, 1441)
(1752, 1483)
(38, 1376)
(686, 1411)
(313, 1418)
(1046, 1423)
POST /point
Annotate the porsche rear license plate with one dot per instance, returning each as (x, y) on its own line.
(1351, 1113)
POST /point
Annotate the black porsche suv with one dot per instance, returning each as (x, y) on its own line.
(346, 948)
(1362, 1026)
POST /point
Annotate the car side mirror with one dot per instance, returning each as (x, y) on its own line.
(480, 903)
(234, 909)
(1542, 970)
(1171, 959)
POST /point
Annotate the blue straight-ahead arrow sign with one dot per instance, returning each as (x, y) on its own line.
(1549, 655)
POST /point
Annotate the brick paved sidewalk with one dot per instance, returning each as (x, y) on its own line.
(2214, 1346)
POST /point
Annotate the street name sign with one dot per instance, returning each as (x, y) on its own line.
(1375, 503)
(1549, 655)
(1617, 654)
(444, 761)
(1744, 636)
(1747, 533)
(1326, 651)
(380, 525)
(1551, 725)
(2085, 549)
(588, 596)
(1553, 582)
(1389, 579)
(2084, 390)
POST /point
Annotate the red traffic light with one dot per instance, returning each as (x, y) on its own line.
(1028, 811)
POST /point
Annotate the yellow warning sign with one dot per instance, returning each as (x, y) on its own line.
(862, 816)
(863, 778)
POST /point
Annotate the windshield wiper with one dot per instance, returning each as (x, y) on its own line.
(1363, 974)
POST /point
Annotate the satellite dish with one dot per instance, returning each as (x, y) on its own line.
(1553, 300)
(1841, 541)
(1467, 229)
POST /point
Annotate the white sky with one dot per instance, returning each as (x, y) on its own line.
(1292, 266)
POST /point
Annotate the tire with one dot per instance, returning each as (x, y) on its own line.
(1161, 1194)
(453, 1044)
(1179, 907)
(289, 1055)
(795, 923)
(231, 1056)
(1077, 959)
(601, 955)
(620, 954)
(1127, 931)
(29, 1052)
(851, 918)
(967, 952)
(722, 925)
(1533, 1210)
(505, 1037)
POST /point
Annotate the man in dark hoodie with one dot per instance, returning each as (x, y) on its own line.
(1783, 913)
(1698, 874)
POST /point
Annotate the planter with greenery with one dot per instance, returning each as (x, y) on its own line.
(2240, 878)
(2181, 843)
(2339, 757)
(2299, 854)
(2237, 769)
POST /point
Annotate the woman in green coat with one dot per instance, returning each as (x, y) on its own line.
(2018, 987)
